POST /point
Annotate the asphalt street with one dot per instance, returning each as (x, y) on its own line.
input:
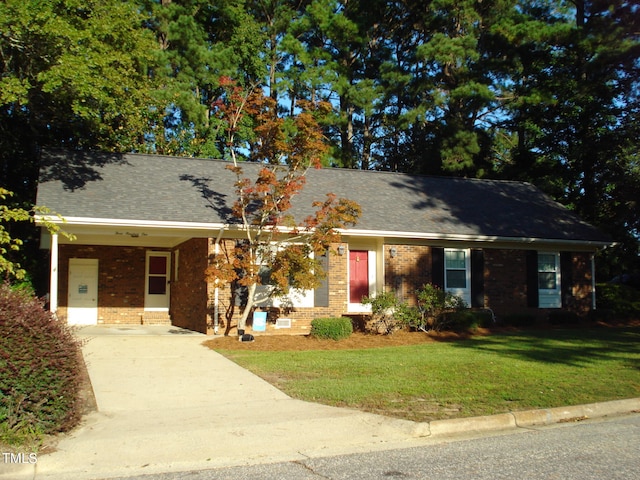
(601, 449)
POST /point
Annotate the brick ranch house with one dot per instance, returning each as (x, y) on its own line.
(146, 225)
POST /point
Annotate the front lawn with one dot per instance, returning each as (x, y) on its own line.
(481, 375)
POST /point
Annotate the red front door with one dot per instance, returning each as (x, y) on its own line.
(358, 275)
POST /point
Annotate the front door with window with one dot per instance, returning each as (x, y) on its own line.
(157, 281)
(358, 275)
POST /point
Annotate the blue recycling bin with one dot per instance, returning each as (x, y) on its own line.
(259, 321)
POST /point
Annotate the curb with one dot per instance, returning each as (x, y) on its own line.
(525, 419)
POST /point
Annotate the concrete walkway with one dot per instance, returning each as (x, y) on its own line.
(167, 403)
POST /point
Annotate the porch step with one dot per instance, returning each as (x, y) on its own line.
(156, 318)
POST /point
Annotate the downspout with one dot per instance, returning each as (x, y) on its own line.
(216, 251)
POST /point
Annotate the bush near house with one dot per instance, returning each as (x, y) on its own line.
(436, 309)
(389, 313)
(40, 367)
(621, 301)
(466, 320)
(335, 328)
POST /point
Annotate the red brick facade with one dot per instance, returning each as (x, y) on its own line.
(505, 280)
(189, 305)
(121, 284)
(406, 269)
(581, 299)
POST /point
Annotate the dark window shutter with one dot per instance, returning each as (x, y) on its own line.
(477, 278)
(321, 294)
(437, 266)
(566, 278)
(533, 300)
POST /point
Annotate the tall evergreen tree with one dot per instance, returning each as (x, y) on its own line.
(200, 41)
(575, 111)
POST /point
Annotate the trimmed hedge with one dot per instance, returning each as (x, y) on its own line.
(40, 367)
(335, 328)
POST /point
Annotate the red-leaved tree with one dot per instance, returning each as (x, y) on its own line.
(273, 241)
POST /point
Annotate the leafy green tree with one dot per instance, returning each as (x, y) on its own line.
(10, 268)
(73, 74)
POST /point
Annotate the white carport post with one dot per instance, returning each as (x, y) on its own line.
(216, 308)
(53, 282)
(593, 282)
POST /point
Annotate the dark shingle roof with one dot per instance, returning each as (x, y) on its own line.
(178, 189)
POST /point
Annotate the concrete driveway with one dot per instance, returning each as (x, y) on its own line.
(167, 403)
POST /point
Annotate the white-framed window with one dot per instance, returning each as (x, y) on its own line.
(295, 298)
(549, 292)
(457, 272)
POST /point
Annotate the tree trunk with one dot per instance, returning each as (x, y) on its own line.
(242, 322)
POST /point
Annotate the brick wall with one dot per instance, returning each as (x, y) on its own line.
(121, 277)
(189, 307)
(505, 280)
(407, 270)
(121, 285)
(582, 283)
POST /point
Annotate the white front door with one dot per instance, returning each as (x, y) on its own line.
(156, 295)
(82, 305)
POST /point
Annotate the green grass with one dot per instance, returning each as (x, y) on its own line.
(480, 376)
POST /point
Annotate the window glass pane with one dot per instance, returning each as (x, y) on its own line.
(547, 280)
(455, 259)
(546, 263)
(157, 285)
(456, 279)
(157, 265)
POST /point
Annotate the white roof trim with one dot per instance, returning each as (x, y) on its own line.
(436, 237)
(467, 238)
(119, 222)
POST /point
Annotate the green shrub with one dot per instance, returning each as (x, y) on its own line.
(437, 306)
(622, 300)
(39, 369)
(518, 320)
(388, 313)
(335, 328)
